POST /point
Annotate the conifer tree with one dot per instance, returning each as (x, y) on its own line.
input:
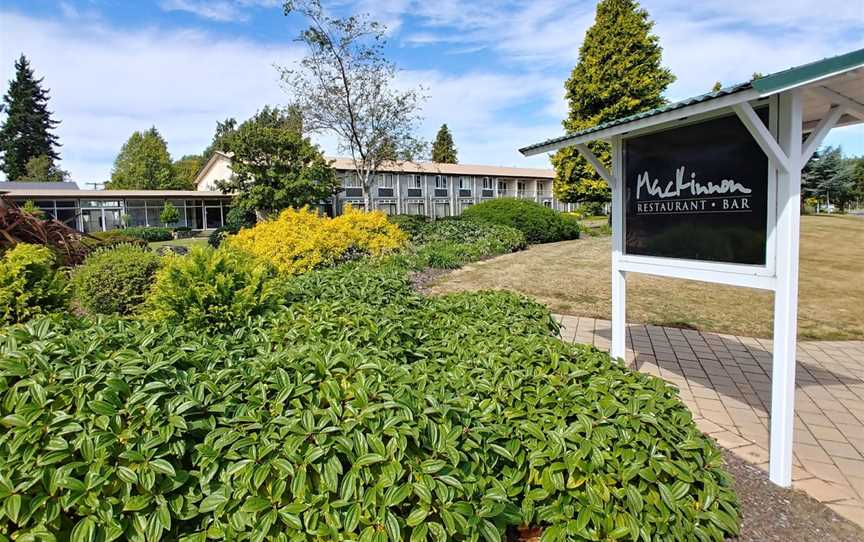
(619, 73)
(26, 133)
(443, 150)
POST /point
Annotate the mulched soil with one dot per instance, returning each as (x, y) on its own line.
(421, 280)
(772, 513)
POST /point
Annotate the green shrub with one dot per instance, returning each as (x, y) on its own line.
(215, 289)
(30, 284)
(539, 224)
(410, 224)
(451, 243)
(116, 280)
(150, 235)
(361, 411)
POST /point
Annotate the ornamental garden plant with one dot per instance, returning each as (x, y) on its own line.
(244, 401)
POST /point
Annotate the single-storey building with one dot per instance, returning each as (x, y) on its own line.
(100, 210)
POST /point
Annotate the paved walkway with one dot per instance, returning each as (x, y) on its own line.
(726, 382)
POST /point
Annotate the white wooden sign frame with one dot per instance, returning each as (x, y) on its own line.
(782, 143)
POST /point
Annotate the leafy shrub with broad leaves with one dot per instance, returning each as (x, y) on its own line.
(30, 283)
(539, 224)
(114, 280)
(149, 234)
(213, 289)
(362, 411)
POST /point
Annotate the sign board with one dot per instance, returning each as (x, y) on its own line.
(697, 192)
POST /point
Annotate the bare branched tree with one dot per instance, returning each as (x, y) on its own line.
(345, 86)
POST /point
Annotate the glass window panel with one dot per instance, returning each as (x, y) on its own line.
(92, 220)
(136, 216)
(153, 216)
(442, 209)
(416, 208)
(67, 216)
(214, 217)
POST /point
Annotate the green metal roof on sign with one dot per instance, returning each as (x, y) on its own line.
(764, 86)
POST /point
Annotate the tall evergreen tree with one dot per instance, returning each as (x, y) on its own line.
(27, 131)
(443, 150)
(143, 164)
(619, 73)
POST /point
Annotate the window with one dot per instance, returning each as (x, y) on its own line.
(388, 208)
(440, 186)
(521, 186)
(547, 203)
(464, 187)
(442, 209)
(487, 183)
(416, 208)
(502, 186)
(385, 185)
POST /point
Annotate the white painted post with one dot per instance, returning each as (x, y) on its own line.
(619, 277)
(786, 294)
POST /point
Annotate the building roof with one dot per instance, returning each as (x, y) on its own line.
(16, 185)
(346, 164)
(827, 70)
(50, 193)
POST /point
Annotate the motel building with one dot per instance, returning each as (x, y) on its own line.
(422, 188)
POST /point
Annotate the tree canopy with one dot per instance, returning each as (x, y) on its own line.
(346, 87)
(619, 73)
(144, 164)
(443, 150)
(26, 133)
(42, 169)
(275, 168)
(186, 169)
(289, 118)
(830, 178)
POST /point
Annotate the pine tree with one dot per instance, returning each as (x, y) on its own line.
(443, 150)
(619, 73)
(26, 132)
(143, 164)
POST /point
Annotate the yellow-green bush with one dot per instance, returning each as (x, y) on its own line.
(30, 284)
(299, 240)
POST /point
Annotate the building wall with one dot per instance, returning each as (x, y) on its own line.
(438, 196)
(220, 170)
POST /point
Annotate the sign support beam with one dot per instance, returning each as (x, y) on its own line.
(762, 135)
(786, 292)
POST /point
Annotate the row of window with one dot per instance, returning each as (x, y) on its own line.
(388, 180)
(102, 215)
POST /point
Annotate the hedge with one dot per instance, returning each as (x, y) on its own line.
(30, 283)
(540, 224)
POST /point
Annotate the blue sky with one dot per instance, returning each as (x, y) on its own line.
(493, 70)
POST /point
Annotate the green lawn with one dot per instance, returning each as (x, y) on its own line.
(572, 277)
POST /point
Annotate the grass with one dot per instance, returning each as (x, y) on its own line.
(572, 277)
(187, 242)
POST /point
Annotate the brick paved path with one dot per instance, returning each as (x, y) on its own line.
(726, 382)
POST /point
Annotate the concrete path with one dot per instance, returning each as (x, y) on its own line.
(726, 382)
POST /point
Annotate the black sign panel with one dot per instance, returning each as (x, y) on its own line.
(698, 192)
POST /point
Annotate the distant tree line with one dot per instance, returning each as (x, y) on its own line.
(829, 178)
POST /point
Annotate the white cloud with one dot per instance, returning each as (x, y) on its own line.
(216, 10)
(105, 84)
